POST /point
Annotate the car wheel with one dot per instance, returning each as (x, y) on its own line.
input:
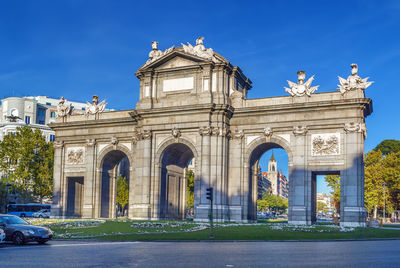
(18, 239)
(40, 216)
(42, 242)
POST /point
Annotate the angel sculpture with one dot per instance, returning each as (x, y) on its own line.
(62, 108)
(199, 50)
(353, 81)
(301, 88)
(95, 107)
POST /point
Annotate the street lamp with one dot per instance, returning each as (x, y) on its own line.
(384, 200)
(7, 193)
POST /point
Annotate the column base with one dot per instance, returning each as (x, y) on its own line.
(140, 212)
(353, 217)
(55, 211)
(353, 224)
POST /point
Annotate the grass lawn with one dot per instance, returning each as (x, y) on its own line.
(128, 230)
(392, 225)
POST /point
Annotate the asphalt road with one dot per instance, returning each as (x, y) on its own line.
(203, 254)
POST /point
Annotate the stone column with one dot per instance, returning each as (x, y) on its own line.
(299, 201)
(235, 176)
(352, 210)
(56, 208)
(88, 182)
(97, 193)
(141, 206)
(203, 207)
(112, 191)
(218, 166)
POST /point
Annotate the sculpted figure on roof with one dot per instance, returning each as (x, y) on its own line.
(200, 50)
(95, 107)
(301, 88)
(353, 82)
(63, 109)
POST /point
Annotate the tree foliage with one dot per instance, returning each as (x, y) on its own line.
(26, 160)
(382, 181)
(122, 198)
(321, 206)
(272, 202)
(388, 146)
(334, 182)
(190, 189)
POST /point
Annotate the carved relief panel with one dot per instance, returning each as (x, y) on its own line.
(75, 155)
(325, 144)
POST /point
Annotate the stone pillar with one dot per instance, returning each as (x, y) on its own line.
(56, 208)
(352, 210)
(97, 193)
(88, 182)
(204, 205)
(235, 177)
(112, 192)
(218, 171)
(299, 201)
(141, 207)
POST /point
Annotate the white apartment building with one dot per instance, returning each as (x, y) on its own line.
(34, 111)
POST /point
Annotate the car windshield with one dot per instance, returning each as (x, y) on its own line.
(12, 220)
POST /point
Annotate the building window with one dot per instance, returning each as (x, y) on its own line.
(27, 119)
(53, 115)
(48, 103)
(41, 116)
(41, 112)
(52, 137)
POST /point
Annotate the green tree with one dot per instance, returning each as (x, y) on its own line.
(321, 206)
(382, 181)
(272, 202)
(3, 196)
(388, 146)
(122, 198)
(190, 189)
(26, 160)
(334, 182)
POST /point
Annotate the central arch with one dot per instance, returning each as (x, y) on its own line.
(255, 150)
(175, 157)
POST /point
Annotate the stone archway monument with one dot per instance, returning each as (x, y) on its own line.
(193, 109)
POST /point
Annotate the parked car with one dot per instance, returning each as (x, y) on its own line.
(2, 236)
(44, 213)
(19, 231)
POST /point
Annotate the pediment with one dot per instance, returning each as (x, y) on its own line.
(177, 61)
(174, 59)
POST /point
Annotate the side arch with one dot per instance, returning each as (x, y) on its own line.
(110, 148)
(107, 168)
(273, 140)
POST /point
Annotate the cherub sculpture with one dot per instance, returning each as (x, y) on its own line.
(95, 107)
(301, 88)
(353, 82)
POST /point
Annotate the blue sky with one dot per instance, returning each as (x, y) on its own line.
(79, 48)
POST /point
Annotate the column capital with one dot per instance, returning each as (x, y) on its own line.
(58, 144)
(90, 142)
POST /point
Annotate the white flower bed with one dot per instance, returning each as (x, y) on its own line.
(67, 223)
